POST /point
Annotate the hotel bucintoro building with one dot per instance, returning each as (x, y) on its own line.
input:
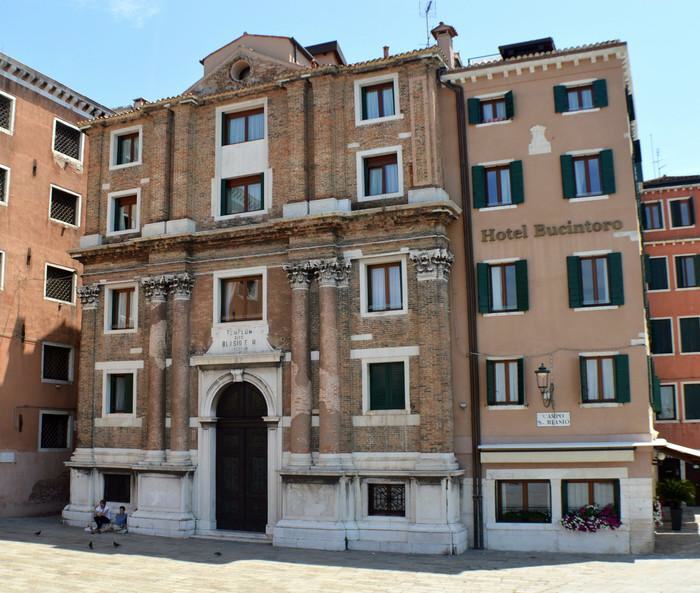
(315, 294)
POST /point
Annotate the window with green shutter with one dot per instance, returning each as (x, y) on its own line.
(491, 110)
(656, 273)
(581, 97)
(661, 336)
(501, 185)
(387, 386)
(561, 101)
(474, 110)
(604, 379)
(503, 287)
(595, 280)
(505, 385)
(478, 186)
(690, 334)
(600, 93)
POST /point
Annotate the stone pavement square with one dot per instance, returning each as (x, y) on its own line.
(59, 560)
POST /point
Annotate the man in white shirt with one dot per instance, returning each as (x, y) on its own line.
(103, 515)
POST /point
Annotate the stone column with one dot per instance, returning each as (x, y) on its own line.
(89, 299)
(181, 287)
(299, 275)
(331, 273)
(432, 268)
(156, 291)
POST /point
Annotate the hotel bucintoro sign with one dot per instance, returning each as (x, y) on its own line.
(549, 230)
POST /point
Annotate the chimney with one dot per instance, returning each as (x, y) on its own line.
(386, 52)
(139, 102)
(443, 34)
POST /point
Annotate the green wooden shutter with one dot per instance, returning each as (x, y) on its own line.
(517, 187)
(583, 378)
(482, 280)
(630, 105)
(568, 181)
(561, 100)
(521, 286)
(616, 494)
(521, 382)
(607, 171)
(478, 186)
(617, 289)
(377, 384)
(573, 269)
(622, 378)
(655, 393)
(129, 393)
(510, 105)
(564, 497)
(490, 382)
(474, 111)
(396, 386)
(696, 265)
(600, 93)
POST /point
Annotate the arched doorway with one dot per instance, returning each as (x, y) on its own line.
(241, 459)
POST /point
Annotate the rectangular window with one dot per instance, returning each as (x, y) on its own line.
(120, 399)
(124, 210)
(67, 140)
(384, 287)
(65, 206)
(503, 287)
(387, 389)
(123, 303)
(243, 126)
(241, 299)
(498, 186)
(378, 101)
(117, 488)
(690, 334)
(580, 97)
(688, 271)
(56, 363)
(581, 493)
(4, 183)
(242, 194)
(7, 106)
(504, 382)
(657, 273)
(59, 284)
(667, 395)
(387, 499)
(594, 281)
(600, 379)
(682, 213)
(54, 430)
(493, 110)
(381, 175)
(661, 336)
(523, 501)
(587, 176)
(128, 148)
(691, 401)
(570, 99)
(652, 216)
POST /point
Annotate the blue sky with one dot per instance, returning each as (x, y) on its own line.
(115, 50)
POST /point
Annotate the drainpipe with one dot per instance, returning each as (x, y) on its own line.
(477, 497)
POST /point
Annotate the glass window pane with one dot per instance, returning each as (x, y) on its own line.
(594, 175)
(538, 497)
(580, 174)
(254, 300)
(236, 130)
(513, 381)
(497, 303)
(487, 113)
(378, 295)
(661, 336)
(511, 497)
(500, 379)
(492, 187)
(500, 110)
(586, 98)
(690, 334)
(371, 104)
(392, 178)
(235, 200)
(388, 101)
(668, 403)
(602, 280)
(255, 197)
(587, 281)
(603, 494)
(691, 396)
(573, 100)
(592, 379)
(608, 378)
(511, 288)
(395, 287)
(375, 181)
(577, 495)
(505, 186)
(256, 126)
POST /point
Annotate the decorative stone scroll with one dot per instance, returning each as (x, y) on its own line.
(181, 285)
(89, 296)
(432, 264)
(332, 272)
(299, 274)
(156, 288)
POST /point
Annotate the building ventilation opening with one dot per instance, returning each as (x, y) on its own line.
(240, 71)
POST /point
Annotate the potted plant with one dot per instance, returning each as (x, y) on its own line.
(674, 493)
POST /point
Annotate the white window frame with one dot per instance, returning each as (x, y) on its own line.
(75, 282)
(673, 337)
(360, 157)
(119, 367)
(368, 261)
(82, 142)
(601, 403)
(670, 214)
(369, 356)
(267, 197)
(676, 406)
(13, 111)
(8, 173)
(78, 209)
(238, 273)
(111, 197)
(675, 272)
(3, 257)
(686, 420)
(680, 336)
(113, 136)
(69, 430)
(71, 364)
(109, 291)
(360, 83)
(668, 275)
(236, 107)
(662, 209)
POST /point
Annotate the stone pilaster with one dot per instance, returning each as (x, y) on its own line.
(331, 274)
(156, 290)
(89, 296)
(300, 275)
(181, 287)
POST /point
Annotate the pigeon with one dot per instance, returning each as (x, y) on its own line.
(217, 553)
(37, 532)
(90, 545)
(115, 544)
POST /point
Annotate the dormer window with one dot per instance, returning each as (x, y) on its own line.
(243, 126)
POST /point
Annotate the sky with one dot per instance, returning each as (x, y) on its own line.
(116, 50)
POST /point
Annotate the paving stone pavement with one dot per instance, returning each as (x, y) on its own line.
(59, 560)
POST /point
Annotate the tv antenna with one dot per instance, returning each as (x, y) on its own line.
(427, 9)
(656, 160)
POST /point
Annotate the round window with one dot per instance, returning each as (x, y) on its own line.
(240, 70)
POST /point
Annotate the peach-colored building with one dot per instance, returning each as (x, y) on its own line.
(672, 247)
(42, 187)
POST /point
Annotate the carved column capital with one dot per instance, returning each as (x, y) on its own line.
(89, 296)
(181, 285)
(299, 274)
(332, 272)
(156, 288)
(432, 264)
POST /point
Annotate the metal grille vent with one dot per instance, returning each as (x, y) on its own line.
(5, 112)
(67, 141)
(54, 431)
(64, 206)
(387, 499)
(56, 363)
(59, 284)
